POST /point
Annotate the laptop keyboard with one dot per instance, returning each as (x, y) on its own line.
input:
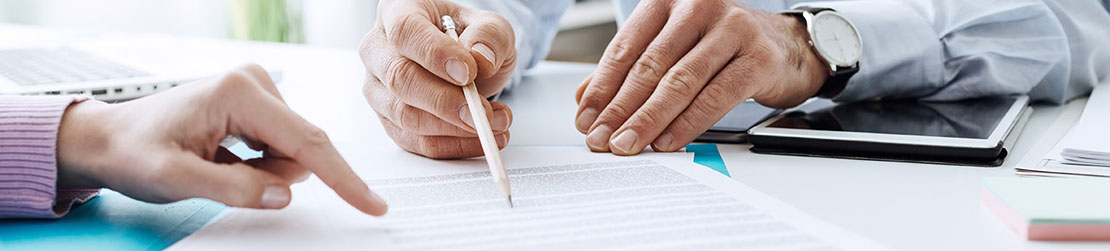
(45, 66)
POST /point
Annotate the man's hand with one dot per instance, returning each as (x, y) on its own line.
(415, 70)
(678, 66)
(165, 147)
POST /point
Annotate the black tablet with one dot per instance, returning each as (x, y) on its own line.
(733, 127)
(969, 131)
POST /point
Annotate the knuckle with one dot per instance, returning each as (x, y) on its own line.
(764, 49)
(399, 71)
(234, 78)
(379, 100)
(401, 28)
(656, 4)
(617, 109)
(693, 9)
(364, 43)
(734, 16)
(648, 66)
(500, 37)
(684, 125)
(650, 118)
(241, 197)
(431, 148)
(743, 16)
(366, 46)
(404, 140)
(314, 137)
(682, 82)
(253, 69)
(739, 24)
(445, 105)
(314, 140)
(406, 117)
(717, 98)
(236, 81)
(503, 25)
(620, 50)
(593, 102)
(368, 90)
(602, 87)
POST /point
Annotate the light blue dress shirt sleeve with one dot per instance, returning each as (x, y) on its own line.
(956, 49)
(534, 22)
(929, 49)
(950, 49)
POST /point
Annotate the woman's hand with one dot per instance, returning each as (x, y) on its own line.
(165, 147)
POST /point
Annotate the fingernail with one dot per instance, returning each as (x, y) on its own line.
(464, 115)
(585, 119)
(274, 197)
(501, 120)
(663, 143)
(598, 140)
(502, 140)
(458, 71)
(484, 50)
(625, 141)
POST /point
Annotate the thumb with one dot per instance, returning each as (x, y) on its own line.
(421, 40)
(235, 184)
(490, 39)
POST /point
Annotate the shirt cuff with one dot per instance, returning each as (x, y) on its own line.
(902, 54)
(28, 160)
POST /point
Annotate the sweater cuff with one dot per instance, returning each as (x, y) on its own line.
(28, 160)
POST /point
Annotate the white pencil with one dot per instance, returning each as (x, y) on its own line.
(481, 125)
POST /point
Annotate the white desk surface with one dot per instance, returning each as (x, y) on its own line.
(905, 206)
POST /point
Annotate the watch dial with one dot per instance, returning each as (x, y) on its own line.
(837, 39)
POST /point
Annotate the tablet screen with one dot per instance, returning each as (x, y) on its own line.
(975, 118)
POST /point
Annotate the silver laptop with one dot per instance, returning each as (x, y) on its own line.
(47, 71)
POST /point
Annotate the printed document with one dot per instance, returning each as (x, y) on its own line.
(1083, 150)
(565, 198)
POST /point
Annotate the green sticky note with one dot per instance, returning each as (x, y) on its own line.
(1054, 200)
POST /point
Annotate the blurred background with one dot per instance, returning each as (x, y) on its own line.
(583, 32)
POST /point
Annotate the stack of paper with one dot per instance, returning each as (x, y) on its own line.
(1089, 141)
(1085, 150)
(1051, 209)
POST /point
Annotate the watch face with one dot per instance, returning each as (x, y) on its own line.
(836, 39)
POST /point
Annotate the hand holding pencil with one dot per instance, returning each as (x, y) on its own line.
(415, 71)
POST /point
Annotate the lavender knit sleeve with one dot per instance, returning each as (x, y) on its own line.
(28, 161)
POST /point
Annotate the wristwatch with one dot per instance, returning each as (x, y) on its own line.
(837, 43)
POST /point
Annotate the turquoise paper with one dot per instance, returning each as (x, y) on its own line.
(708, 155)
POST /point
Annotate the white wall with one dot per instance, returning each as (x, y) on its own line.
(338, 23)
(331, 23)
(206, 18)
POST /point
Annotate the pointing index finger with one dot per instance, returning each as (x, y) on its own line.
(274, 124)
